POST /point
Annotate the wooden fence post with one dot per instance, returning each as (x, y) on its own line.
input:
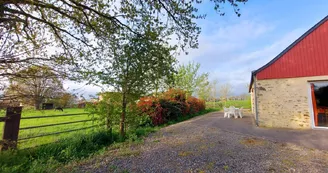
(11, 128)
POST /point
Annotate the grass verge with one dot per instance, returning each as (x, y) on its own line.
(50, 157)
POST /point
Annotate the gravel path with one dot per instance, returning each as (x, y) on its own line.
(198, 145)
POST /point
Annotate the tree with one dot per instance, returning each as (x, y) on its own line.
(188, 79)
(204, 89)
(72, 19)
(65, 100)
(34, 85)
(133, 68)
(214, 90)
(225, 91)
(107, 109)
(163, 82)
(78, 29)
(214, 84)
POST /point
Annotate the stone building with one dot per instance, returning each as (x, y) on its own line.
(291, 91)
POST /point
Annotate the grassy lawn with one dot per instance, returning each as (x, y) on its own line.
(69, 149)
(54, 120)
(246, 104)
(52, 129)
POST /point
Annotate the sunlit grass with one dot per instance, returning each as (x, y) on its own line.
(52, 129)
(72, 147)
(246, 104)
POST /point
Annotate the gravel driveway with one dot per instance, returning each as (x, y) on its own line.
(199, 145)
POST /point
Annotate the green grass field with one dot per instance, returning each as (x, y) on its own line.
(70, 149)
(53, 120)
(246, 104)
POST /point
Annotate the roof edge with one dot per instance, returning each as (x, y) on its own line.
(251, 83)
(291, 45)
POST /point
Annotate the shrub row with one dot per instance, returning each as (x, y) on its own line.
(170, 105)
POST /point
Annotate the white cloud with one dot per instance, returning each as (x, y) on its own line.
(237, 71)
(81, 89)
(243, 31)
(217, 41)
(268, 52)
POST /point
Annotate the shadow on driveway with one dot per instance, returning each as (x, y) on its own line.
(309, 138)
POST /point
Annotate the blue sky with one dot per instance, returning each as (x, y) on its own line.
(231, 47)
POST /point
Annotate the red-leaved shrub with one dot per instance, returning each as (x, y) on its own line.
(170, 106)
(152, 107)
(174, 95)
(196, 105)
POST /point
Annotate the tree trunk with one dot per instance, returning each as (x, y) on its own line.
(122, 122)
(108, 124)
(37, 103)
(2, 6)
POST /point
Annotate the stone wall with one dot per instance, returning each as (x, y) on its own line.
(252, 99)
(284, 102)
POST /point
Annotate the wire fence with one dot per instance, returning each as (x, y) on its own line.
(56, 133)
(55, 124)
(12, 126)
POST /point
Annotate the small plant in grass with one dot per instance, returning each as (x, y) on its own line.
(288, 163)
(226, 167)
(252, 142)
(113, 168)
(128, 152)
(210, 165)
(185, 153)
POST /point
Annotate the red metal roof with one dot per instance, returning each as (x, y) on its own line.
(307, 56)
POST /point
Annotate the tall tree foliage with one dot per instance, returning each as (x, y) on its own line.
(204, 89)
(65, 100)
(189, 79)
(77, 28)
(75, 19)
(133, 67)
(34, 85)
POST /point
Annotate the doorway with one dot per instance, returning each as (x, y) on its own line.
(319, 95)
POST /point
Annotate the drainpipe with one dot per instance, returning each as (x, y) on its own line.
(255, 99)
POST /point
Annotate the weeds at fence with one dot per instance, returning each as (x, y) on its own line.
(48, 157)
